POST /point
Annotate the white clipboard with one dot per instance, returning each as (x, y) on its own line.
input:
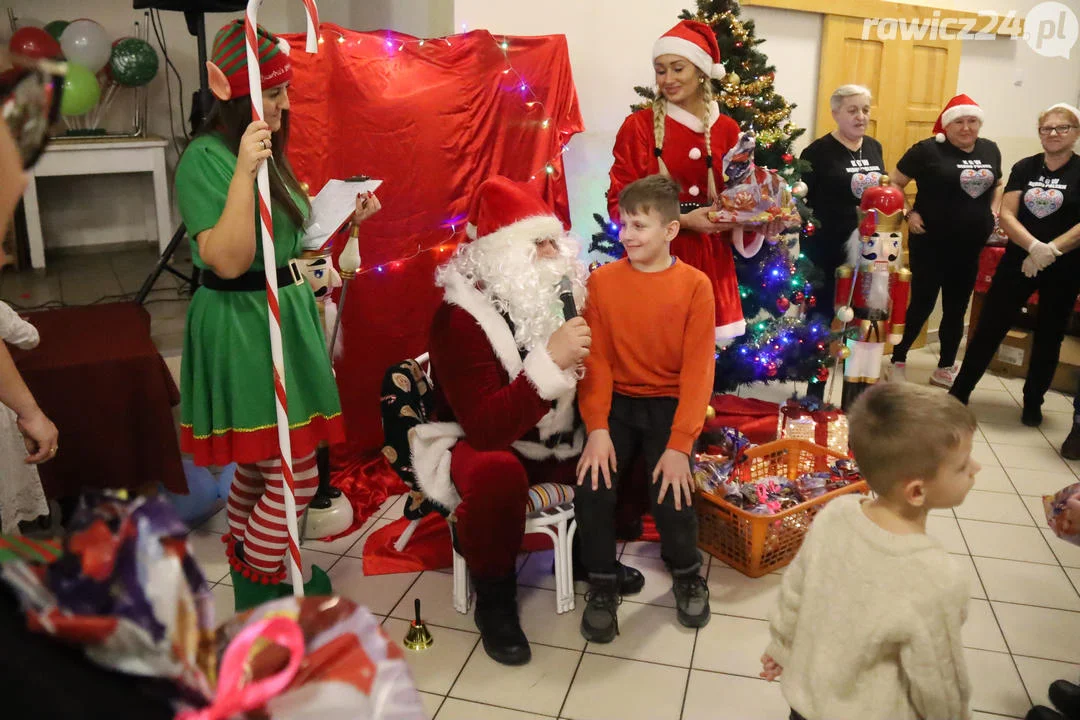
(332, 207)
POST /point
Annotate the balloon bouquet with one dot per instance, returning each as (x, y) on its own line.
(96, 69)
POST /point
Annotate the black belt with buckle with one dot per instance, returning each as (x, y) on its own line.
(250, 281)
(559, 438)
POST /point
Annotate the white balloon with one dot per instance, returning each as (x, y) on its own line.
(86, 43)
(21, 22)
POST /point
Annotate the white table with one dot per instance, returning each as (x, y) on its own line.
(99, 156)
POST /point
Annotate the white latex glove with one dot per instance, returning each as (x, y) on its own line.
(1042, 254)
(1029, 268)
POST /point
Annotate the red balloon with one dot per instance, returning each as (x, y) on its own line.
(33, 42)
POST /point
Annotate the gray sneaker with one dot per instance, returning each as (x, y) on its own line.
(600, 621)
(691, 600)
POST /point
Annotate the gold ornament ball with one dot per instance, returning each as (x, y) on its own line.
(710, 412)
(593, 266)
(843, 353)
(732, 78)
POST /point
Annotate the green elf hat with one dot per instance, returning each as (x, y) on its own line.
(230, 55)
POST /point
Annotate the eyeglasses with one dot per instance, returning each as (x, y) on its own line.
(1059, 129)
(30, 104)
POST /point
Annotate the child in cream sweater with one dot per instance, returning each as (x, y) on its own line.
(868, 622)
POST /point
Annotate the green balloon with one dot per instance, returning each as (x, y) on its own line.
(81, 91)
(56, 28)
(133, 63)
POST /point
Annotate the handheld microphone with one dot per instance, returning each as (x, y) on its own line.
(566, 294)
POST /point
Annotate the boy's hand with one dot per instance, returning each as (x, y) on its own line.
(770, 670)
(674, 467)
(569, 345)
(599, 454)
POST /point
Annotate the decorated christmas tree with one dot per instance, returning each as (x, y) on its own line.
(783, 340)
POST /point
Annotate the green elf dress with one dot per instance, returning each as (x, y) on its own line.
(227, 381)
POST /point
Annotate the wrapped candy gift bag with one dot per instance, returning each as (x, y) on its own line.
(1063, 513)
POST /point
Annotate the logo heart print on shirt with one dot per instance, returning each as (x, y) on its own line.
(1041, 202)
(976, 182)
(861, 181)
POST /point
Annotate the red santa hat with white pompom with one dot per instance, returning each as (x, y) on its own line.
(504, 209)
(960, 106)
(694, 41)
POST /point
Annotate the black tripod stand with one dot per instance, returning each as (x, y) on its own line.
(201, 102)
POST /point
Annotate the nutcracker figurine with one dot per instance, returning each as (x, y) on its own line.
(872, 289)
(328, 513)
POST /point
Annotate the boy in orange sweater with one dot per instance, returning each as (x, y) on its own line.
(648, 379)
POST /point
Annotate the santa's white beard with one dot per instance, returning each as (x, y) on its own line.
(508, 274)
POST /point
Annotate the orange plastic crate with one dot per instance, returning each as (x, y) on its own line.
(753, 544)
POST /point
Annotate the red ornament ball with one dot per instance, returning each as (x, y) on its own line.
(811, 301)
(782, 304)
(738, 44)
(799, 296)
(822, 374)
(771, 369)
(787, 157)
(810, 229)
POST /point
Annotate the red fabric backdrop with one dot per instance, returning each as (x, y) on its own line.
(432, 121)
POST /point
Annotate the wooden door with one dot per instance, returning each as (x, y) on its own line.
(911, 80)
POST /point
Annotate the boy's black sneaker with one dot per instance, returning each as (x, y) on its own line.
(691, 600)
(600, 621)
(1031, 416)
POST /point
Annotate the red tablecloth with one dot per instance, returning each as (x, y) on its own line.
(988, 262)
(98, 376)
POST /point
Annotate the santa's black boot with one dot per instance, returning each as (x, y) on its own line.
(496, 617)
(1066, 698)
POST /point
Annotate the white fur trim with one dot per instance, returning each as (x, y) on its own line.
(738, 240)
(1067, 107)
(549, 379)
(940, 137)
(526, 230)
(470, 231)
(670, 45)
(430, 445)
(283, 46)
(724, 333)
(536, 451)
(685, 117)
(461, 292)
(959, 111)
(559, 418)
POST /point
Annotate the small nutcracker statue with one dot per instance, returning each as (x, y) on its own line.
(873, 288)
(328, 513)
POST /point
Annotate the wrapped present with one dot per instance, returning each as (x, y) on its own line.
(1063, 513)
(126, 589)
(300, 658)
(752, 195)
(805, 419)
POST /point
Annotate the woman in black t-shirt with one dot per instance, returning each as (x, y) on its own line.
(843, 163)
(959, 177)
(1041, 214)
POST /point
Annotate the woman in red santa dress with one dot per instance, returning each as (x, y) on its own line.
(684, 135)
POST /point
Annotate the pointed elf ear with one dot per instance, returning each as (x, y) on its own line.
(219, 84)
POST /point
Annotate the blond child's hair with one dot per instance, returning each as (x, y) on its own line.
(903, 431)
(652, 192)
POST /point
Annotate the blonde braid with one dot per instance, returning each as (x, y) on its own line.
(659, 113)
(707, 91)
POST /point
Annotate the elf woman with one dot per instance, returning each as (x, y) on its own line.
(684, 135)
(227, 406)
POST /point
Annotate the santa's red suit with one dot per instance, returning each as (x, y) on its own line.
(504, 419)
(686, 161)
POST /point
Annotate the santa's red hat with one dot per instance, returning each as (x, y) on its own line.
(960, 106)
(694, 41)
(504, 209)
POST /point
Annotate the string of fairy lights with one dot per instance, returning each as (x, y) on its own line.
(393, 43)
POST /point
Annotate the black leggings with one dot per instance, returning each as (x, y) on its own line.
(1057, 286)
(948, 265)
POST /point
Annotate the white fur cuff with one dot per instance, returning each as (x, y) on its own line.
(549, 380)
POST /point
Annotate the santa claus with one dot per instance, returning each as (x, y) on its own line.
(505, 365)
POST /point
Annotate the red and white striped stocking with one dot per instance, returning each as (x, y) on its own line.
(257, 512)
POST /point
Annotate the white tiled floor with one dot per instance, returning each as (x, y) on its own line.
(1022, 631)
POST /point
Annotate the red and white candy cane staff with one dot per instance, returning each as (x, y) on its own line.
(267, 226)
